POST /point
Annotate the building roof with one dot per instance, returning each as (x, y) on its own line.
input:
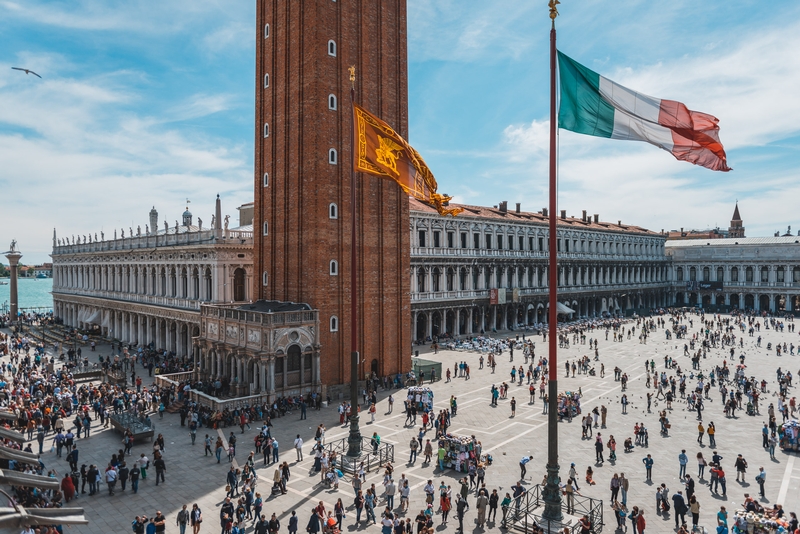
(512, 216)
(274, 306)
(736, 216)
(733, 241)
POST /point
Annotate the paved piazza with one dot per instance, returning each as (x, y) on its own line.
(194, 478)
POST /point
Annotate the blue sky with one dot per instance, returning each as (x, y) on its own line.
(147, 103)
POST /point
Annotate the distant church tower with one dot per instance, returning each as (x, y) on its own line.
(303, 214)
(736, 229)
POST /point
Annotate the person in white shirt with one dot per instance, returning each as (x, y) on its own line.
(298, 447)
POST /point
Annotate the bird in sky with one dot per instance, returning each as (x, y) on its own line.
(26, 71)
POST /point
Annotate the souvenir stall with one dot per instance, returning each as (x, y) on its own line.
(790, 436)
(422, 398)
(569, 404)
(761, 522)
(460, 451)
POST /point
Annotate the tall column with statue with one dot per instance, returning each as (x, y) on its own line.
(13, 257)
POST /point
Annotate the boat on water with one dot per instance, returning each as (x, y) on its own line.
(3, 283)
(41, 275)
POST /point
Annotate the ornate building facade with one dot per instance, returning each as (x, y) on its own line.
(303, 210)
(487, 269)
(264, 348)
(752, 273)
(148, 287)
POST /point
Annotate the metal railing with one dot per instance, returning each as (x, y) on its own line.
(525, 513)
(369, 458)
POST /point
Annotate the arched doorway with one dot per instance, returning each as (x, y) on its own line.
(436, 323)
(450, 322)
(749, 302)
(422, 325)
(692, 299)
(238, 285)
(764, 303)
(780, 303)
(734, 301)
(706, 301)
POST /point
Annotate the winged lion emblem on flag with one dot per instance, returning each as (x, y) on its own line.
(388, 152)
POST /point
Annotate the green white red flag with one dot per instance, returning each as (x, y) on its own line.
(594, 105)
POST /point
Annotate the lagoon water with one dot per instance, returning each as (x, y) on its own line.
(32, 292)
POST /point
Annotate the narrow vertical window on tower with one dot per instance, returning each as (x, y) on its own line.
(334, 324)
(332, 102)
(266, 31)
(266, 81)
(266, 129)
(332, 156)
(266, 228)
(264, 278)
(334, 268)
(333, 211)
(266, 179)
(332, 48)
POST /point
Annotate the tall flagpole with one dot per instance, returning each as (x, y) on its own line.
(354, 439)
(552, 491)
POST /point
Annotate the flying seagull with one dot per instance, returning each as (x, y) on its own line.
(26, 71)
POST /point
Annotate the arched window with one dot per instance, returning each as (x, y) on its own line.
(334, 324)
(435, 276)
(332, 102)
(462, 279)
(332, 48)
(333, 211)
(238, 285)
(748, 274)
(679, 274)
(334, 268)
(720, 274)
(765, 274)
(421, 280)
(692, 274)
(266, 129)
(450, 282)
(706, 274)
(266, 31)
(734, 274)
(266, 179)
(266, 81)
(293, 357)
(266, 228)
(332, 156)
(264, 278)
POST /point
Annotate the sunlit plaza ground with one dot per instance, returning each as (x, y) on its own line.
(192, 477)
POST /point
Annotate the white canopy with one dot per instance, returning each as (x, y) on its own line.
(562, 308)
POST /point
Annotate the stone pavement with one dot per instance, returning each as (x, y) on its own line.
(193, 478)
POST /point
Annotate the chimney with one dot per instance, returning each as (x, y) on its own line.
(619, 223)
(596, 218)
(563, 214)
(584, 216)
(681, 230)
(518, 206)
(504, 206)
(544, 212)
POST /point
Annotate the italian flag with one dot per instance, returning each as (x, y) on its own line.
(594, 105)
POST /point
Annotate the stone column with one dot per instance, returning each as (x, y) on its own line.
(13, 257)
(271, 376)
(469, 320)
(158, 334)
(315, 359)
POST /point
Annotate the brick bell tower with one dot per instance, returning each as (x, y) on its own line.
(303, 213)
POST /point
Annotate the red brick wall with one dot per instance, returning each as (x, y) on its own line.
(302, 239)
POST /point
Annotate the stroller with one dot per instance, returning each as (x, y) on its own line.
(751, 409)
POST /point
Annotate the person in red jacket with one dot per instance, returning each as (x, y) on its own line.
(640, 523)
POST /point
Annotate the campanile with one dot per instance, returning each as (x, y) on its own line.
(303, 213)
